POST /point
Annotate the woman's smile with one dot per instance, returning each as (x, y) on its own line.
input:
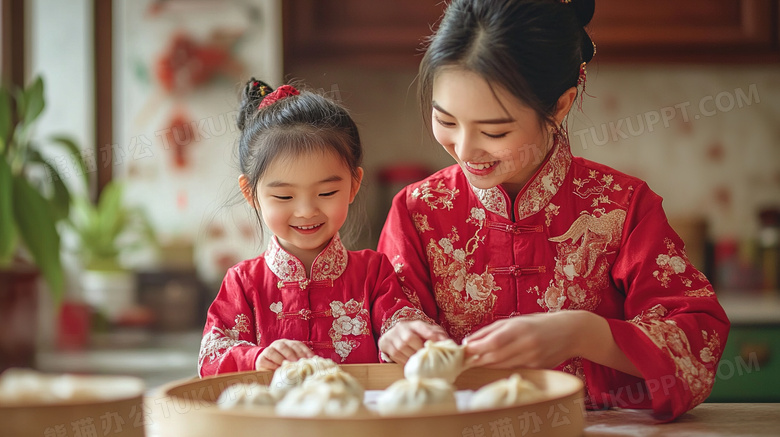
(481, 168)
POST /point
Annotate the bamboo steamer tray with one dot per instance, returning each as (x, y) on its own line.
(119, 416)
(559, 414)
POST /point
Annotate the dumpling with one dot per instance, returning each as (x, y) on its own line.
(24, 385)
(292, 373)
(20, 386)
(318, 399)
(441, 359)
(246, 396)
(337, 377)
(505, 393)
(417, 395)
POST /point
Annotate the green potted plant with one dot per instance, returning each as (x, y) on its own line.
(105, 231)
(33, 199)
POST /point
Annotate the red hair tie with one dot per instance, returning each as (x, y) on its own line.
(278, 94)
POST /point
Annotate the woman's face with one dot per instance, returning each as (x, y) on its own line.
(495, 139)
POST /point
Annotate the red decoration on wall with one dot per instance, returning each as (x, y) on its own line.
(188, 64)
(182, 200)
(722, 196)
(179, 135)
(715, 152)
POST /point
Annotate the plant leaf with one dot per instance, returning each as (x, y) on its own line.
(21, 102)
(60, 195)
(7, 228)
(83, 218)
(60, 198)
(5, 118)
(36, 224)
(112, 215)
(72, 148)
(34, 101)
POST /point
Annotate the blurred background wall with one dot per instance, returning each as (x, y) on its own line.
(695, 116)
(683, 95)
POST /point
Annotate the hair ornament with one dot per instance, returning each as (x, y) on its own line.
(565, 1)
(272, 97)
(263, 89)
(583, 76)
(581, 82)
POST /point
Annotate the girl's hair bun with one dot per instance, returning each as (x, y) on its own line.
(254, 92)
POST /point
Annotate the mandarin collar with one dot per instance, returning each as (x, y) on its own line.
(328, 265)
(538, 191)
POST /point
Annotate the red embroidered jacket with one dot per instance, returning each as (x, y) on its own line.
(581, 236)
(351, 298)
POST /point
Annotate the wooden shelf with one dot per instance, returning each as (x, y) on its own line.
(390, 34)
(733, 31)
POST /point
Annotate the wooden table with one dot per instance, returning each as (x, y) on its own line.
(706, 420)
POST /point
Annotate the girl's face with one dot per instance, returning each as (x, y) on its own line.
(495, 139)
(304, 200)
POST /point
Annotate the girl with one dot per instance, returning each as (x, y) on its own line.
(300, 155)
(533, 257)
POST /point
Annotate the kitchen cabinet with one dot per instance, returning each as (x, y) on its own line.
(749, 370)
(389, 34)
(694, 30)
(357, 32)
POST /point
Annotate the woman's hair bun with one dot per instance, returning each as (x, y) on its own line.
(588, 50)
(584, 10)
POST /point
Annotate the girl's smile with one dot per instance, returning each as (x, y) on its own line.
(307, 229)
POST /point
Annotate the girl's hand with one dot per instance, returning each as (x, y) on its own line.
(291, 350)
(406, 338)
(539, 341)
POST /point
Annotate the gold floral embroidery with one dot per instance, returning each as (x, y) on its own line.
(666, 335)
(218, 342)
(550, 211)
(398, 266)
(708, 354)
(546, 183)
(699, 276)
(405, 314)
(574, 367)
(671, 263)
(582, 269)
(596, 187)
(493, 199)
(435, 197)
(412, 296)
(329, 264)
(701, 292)
(344, 325)
(421, 222)
(464, 297)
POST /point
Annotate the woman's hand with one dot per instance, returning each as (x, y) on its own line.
(406, 338)
(280, 350)
(541, 341)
